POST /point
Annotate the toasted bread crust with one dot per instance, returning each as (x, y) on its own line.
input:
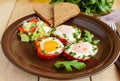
(64, 11)
(57, 14)
(44, 11)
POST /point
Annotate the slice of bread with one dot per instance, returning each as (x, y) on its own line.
(44, 11)
(64, 11)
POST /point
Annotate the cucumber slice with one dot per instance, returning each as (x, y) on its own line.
(24, 38)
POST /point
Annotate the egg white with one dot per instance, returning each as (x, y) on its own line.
(91, 51)
(58, 50)
(69, 37)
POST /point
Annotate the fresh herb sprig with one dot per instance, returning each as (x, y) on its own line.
(91, 6)
(69, 64)
(88, 37)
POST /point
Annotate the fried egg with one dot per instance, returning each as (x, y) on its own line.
(69, 33)
(81, 50)
(51, 45)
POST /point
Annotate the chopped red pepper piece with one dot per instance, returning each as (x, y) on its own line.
(32, 29)
(37, 43)
(21, 29)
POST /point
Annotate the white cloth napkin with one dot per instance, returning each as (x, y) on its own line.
(113, 16)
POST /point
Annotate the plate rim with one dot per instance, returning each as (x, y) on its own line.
(25, 69)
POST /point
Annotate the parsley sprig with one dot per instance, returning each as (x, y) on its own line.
(88, 37)
(91, 6)
(69, 64)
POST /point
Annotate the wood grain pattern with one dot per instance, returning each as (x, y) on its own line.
(6, 7)
(77, 79)
(110, 74)
(22, 8)
(116, 5)
(9, 72)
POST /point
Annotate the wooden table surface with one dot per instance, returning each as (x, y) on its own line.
(10, 11)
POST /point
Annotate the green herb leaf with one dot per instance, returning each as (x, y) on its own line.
(43, 51)
(54, 1)
(69, 64)
(65, 35)
(91, 6)
(67, 47)
(95, 42)
(88, 36)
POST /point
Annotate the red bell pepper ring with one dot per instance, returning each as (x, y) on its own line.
(37, 43)
(47, 56)
(64, 41)
(44, 56)
(21, 29)
(73, 58)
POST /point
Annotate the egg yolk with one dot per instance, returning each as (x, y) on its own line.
(50, 45)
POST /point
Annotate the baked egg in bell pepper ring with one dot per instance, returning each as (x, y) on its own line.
(49, 48)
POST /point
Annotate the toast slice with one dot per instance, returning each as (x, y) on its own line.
(44, 11)
(64, 11)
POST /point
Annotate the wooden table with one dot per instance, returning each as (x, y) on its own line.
(10, 11)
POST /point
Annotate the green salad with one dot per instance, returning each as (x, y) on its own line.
(33, 30)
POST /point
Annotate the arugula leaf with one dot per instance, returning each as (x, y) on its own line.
(93, 1)
(88, 37)
(91, 6)
(69, 64)
(95, 42)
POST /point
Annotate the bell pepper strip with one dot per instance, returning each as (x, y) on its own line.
(21, 29)
(32, 29)
(73, 58)
(41, 54)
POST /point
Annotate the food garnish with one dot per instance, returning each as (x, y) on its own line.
(69, 65)
(91, 6)
(88, 37)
